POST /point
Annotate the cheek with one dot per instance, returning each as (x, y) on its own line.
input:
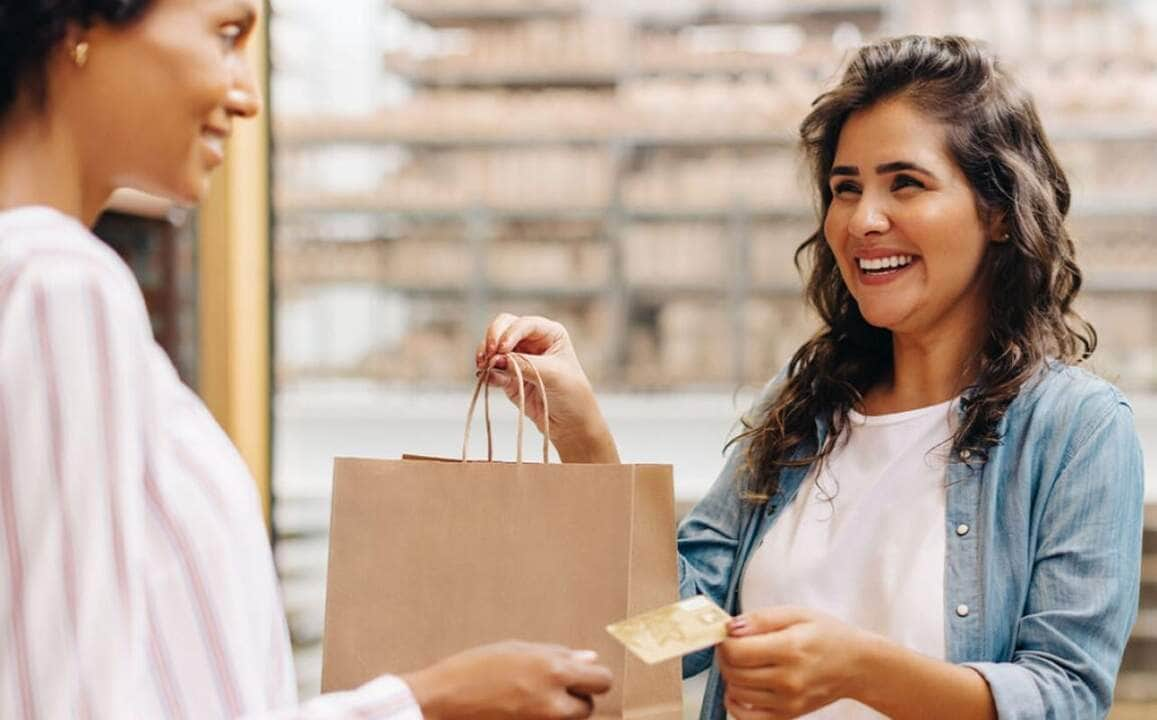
(831, 228)
(204, 85)
(836, 233)
(959, 242)
(192, 71)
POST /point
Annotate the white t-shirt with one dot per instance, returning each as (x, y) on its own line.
(865, 541)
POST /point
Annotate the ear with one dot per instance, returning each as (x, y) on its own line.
(74, 34)
(73, 47)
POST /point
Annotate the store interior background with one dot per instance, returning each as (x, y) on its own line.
(628, 167)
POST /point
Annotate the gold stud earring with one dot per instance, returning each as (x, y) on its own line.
(79, 54)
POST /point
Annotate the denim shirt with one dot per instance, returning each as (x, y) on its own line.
(1042, 566)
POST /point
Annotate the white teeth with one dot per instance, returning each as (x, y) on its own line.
(885, 263)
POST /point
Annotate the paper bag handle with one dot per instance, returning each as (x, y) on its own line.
(512, 361)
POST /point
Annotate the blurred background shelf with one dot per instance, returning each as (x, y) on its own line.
(630, 169)
(457, 12)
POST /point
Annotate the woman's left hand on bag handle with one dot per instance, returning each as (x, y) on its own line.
(577, 427)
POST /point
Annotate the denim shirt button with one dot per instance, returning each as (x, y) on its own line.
(962, 610)
(962, 529)
(965, 454)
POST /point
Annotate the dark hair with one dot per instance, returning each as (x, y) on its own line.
(31, 29)
(995, 136)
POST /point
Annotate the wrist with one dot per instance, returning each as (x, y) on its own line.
(429, 693)
(866, 658)
(591, 443)
(589, 440)
(898, 682)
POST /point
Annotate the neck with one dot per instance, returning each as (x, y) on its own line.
(928, 369)
(40, 165)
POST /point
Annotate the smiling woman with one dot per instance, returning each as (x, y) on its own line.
(932, 512)
(144, 92)
(136, 578)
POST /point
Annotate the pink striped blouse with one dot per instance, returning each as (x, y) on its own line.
(136, 579)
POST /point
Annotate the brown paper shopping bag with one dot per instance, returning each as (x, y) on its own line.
(429, 557)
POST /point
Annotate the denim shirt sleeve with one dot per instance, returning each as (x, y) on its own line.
(709, 536)
(1082, 593)
(707, 541)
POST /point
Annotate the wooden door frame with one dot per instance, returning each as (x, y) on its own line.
(234, 285)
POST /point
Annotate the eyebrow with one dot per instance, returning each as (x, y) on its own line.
(885, 169)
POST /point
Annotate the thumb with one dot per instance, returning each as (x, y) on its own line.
(767, 620)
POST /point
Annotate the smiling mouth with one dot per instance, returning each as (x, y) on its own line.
(885, 265)
(214, 142)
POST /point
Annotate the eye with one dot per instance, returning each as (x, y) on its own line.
(903, 181)
(845, 187)
(232, 34)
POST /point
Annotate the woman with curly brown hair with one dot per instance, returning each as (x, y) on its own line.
(932, 512)
(136, 579)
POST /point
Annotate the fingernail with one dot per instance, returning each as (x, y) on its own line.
(737, 625)
(500, 363)
(585, 655)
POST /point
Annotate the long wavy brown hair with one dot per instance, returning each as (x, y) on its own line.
(995, 136)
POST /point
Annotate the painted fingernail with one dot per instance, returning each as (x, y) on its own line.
(737, 625)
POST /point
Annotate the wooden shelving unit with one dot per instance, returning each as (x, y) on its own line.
(648, 119)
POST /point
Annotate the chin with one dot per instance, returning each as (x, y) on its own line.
(191, 185)
(192, 188)
(196, 192)
(885, 318)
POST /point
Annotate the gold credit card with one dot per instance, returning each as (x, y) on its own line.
(674, 630)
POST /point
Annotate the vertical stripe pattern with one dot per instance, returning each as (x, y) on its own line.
(153, 584)
(17, 619)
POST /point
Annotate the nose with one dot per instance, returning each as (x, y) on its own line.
(869, 218)
(243, 99)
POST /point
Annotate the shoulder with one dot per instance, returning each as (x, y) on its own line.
(1069, 393)
(52, 261)
(1068, 405)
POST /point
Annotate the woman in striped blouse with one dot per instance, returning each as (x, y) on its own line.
(135, 575)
